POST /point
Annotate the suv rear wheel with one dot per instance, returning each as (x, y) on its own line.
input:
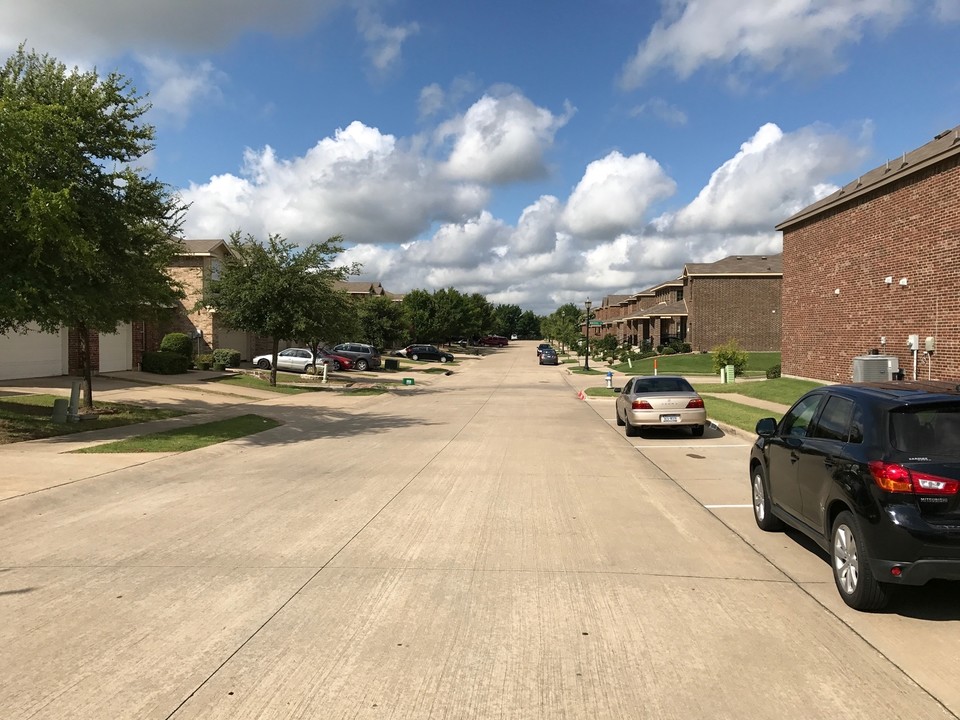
(850, 560)
(360, 364)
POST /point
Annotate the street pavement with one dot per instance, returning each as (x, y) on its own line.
(487, 545)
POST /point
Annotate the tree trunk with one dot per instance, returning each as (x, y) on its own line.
(273, 363)
(84, 334)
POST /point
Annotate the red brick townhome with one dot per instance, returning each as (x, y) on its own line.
(735, 298)
(874, 263)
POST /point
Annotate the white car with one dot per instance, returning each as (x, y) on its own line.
(299, 360)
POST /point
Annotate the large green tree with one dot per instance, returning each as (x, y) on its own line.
(85, 234)
(281, 291)
(381, 321)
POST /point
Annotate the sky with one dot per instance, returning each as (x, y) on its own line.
(536, 152)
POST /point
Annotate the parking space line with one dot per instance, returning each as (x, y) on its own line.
(675, 445)
(719, 507)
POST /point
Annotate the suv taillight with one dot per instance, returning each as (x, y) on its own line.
(896, 478)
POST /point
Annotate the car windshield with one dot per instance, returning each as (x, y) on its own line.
(927, 431)
(661, 384)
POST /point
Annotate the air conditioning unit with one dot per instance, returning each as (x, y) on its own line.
(875, 368)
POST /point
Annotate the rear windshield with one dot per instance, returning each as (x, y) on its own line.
(927, 431)
(661, 384)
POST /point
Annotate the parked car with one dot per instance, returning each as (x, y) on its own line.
(548, 356)
(292, 359)
(336, 362)
(494, 341)
(543, 346)
(427, 352)
(871, 473)
(365, 357)
(660, 401)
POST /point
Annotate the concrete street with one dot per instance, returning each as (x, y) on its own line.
(482, 545)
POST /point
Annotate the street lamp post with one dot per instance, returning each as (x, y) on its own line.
(586, 359)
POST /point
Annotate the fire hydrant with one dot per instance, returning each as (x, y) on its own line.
(610, 379)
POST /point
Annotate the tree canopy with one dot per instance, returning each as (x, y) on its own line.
(86, 235)
(278, 290)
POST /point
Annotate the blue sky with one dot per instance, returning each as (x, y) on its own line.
(538, 153)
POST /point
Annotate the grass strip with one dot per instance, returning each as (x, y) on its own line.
(740, 416)
(188, 438)
(696, 364)
(29, 417)
(785, 391)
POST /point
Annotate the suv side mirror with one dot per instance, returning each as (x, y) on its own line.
(767, 427)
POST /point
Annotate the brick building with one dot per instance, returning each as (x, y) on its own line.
(876, 262)
(736, 298)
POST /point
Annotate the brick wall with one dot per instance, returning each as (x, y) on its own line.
(189, 271)
(908, 229)
(725, 308)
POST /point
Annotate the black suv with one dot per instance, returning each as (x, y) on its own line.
(871, 472)
(365, 357)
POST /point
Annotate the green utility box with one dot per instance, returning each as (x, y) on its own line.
(730, 374)
(408, 381)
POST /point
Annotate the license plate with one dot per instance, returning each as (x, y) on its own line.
(669, 418)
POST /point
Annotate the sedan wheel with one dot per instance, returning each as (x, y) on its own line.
(361, 365)
(309, 369)
(414, 357)
(630, 430)
(263, 364)
(619, 419)
(336, 365)
(761, 503)
(851, 566)
(443, 358)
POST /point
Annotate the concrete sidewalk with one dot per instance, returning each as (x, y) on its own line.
(38, 464)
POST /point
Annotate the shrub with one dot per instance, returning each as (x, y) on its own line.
(773, 372)
(177, 343)
(668, 350)
(729, 353)
(226, 357)
(164, 363)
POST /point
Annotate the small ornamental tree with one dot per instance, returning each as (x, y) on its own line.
(729, 353)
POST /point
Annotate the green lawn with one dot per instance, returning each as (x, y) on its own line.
(785, 391)
(696, 364)
(188, 438)
(29, 417)
(740, 416)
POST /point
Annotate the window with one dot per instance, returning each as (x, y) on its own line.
(834, 422)
(680, 294)
(796, 421)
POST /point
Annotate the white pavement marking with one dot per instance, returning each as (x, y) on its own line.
(717, 507)
(675, 445)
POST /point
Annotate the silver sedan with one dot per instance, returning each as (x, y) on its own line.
(660, 401)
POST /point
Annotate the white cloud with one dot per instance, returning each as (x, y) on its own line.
(770, 178)
(177, 88)
(662, 110)
(431, 101)
(947, 10)
(758, 35)
(360, 183)
(96, 29)
(383, 41)
(500, 139)
(614, 194)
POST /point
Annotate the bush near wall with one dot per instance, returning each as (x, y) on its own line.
(226, 357)
(177, 343)
(164, 363)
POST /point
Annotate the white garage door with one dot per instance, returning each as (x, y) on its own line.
(35, 354)
(116, 350)
(235, 340)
